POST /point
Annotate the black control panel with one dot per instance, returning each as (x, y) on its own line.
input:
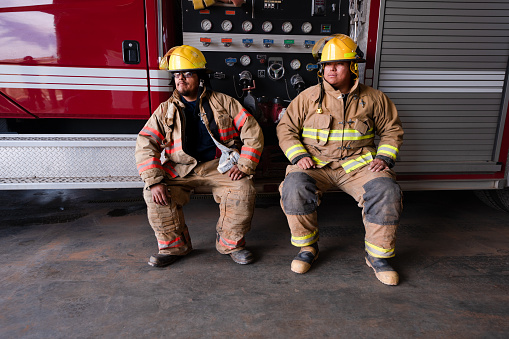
(263, 48)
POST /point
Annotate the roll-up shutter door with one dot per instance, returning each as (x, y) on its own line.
(444, 64)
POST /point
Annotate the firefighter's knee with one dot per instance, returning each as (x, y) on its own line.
(382, 201)
(299, 194)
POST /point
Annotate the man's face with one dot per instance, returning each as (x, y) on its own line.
(337, 74)
(187, 87)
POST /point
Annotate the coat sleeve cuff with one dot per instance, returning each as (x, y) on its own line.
(388, 160)
(246, 169)
(297, 158)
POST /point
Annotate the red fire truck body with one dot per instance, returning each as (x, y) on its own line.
(78, 78)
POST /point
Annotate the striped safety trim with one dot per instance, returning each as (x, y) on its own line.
(168, 168)
(336, 134)
(307, 240)
(156, 163)
(227, 134)
(319, 162)
(315, 134)
(250, 153)
(379, 252)
(175, 243)
(295, 150)
(175, 146)
(230, 244)
(240, 119)
(150, 163)
(358, 162)
(154, 134)
(388, 150)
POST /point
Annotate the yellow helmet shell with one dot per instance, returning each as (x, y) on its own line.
(183, 58)
(340, 48)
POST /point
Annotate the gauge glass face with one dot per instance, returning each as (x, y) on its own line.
(206, 25)
(247, 26)
(306, 27)
(287, 27)
(267, 26)
(227, 25)
(295, 64)
(245, 60)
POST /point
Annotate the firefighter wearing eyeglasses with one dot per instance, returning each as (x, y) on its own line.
(198, 137)
(328, 134)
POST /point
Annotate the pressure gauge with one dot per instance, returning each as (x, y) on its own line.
(227, 25)
(306, 27)
(206, 25)
(267, 26)
(295, 64)
(245, 60)
(247, 26)
(287, 27)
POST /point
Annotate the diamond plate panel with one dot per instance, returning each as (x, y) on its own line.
(62, 160)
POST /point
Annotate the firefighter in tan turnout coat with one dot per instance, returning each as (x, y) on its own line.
(207, 139)
(328, 135)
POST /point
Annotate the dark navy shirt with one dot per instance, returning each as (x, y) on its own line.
(198, 142)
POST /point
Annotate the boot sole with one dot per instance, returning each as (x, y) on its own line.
(314, 259)
(376, 275)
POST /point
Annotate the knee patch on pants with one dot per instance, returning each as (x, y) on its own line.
(299, 194)
(382, 201)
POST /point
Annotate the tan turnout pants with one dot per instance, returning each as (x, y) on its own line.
(236, 201)
(377, 193)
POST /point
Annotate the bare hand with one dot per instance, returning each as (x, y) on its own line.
(378, 165)
(160, 194)
(235, 173)
(306, 163)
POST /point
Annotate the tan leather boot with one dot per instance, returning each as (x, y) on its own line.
(307, 255)
(383, 271)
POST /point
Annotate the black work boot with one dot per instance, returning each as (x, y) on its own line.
(307, 255)
(162, 260)
(383, 271)
(242, 257)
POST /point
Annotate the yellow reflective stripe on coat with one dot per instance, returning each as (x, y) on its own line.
(307, 240)
(379, 252)
(294, 150)
(358, 162)
(319, 162)
(316, 134)
(350, 134)
(336, 134)
(388, 150)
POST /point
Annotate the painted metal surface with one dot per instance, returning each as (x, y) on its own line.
(452, 96)
(65, 58)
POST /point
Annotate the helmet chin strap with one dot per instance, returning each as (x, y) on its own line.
(319, 110)
(201, 88)
(354, 68)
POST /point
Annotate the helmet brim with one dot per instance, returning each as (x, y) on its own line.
(205, 70)
(359, 61)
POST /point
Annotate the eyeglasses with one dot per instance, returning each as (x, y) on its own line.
(188, 74)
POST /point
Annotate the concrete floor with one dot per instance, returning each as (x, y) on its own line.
(73, 264)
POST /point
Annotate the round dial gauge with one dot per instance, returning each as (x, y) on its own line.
(206, 25)
(306, 27)
(245, 60)
(227, 25)
(295, 64)
(267, 26)
(247, 26)
(287, 27)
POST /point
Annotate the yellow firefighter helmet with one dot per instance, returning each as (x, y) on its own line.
(183, 58)
(336, 48)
